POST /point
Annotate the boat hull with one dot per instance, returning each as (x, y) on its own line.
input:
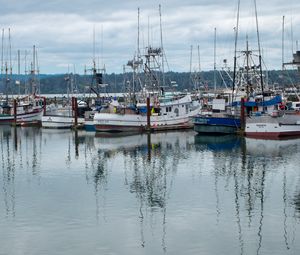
(269, 127)
(137, 123)
(272, 130)
(60, 122)
(21, 118)
(216, 125)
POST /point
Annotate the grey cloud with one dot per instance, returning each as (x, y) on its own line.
(62, 30)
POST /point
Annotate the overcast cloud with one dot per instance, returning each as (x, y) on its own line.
(62, 30)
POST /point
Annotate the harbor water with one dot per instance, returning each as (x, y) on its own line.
(74, 192)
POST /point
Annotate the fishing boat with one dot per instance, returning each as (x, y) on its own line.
(68, 116)
(273, 127)
(155, 106)
(276, 122)
(221, 116)
(27, 110)
(221, 120)
(167, 114)
(20, 110)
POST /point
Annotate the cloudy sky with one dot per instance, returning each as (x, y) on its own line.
(62, 31)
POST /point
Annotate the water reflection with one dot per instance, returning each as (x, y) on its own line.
(230, 187)
(150, 166)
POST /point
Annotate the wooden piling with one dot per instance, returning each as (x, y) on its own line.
(75, 112)
(15, 112)
(148, 114)
(243, 120)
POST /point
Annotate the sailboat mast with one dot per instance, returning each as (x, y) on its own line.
(235, 49)
(259, 53)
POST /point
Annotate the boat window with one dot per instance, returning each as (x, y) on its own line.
(186, 108)
(176, 111)
(168, 109)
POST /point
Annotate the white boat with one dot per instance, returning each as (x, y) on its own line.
(273, 126)
(57, 121)
(167, 114)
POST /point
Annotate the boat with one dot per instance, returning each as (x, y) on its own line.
(217, 121)
(28, 109)
(277, 122)
(154, 106)
(285, 124)
(65, 117)
(168, 113)
(221, 117)
(21, 109)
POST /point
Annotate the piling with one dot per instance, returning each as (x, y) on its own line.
(15, 111)
(243, 120)
(44, 105)
(148, 114)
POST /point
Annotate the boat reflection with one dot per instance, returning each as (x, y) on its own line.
(243, 180)
(272, 148)
(217, 143)
(150, 165)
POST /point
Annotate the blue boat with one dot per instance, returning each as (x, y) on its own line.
(217, 124)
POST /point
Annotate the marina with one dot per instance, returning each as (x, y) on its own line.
(171, 192)
(151, 129)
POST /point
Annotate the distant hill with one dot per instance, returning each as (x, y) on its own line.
(57, 84)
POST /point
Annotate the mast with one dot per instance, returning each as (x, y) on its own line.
(10, 62)
(235, 49)
(2, 53)
(292, 36)
(19, 72)
(215, 67)
(282, 50)
(199, 68)
(138, 35)
(162, 48)
(191, 60)
(33, 85)
(259, 54)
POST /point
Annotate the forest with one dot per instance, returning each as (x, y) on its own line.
(63, 83)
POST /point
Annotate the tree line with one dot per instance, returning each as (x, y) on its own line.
(62, 83)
